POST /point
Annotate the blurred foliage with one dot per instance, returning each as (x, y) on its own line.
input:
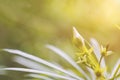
(28, 25)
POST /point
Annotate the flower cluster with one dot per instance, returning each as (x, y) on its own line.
(91, 55)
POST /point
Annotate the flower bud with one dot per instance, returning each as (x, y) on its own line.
(78, 40)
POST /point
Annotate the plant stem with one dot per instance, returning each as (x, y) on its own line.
(100, 60)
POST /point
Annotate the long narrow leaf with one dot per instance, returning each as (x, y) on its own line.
(67, 58)
(93, 76)
(29, 63)
(37, 59)
(39, 76)
(115, 69)
(96, 48)
(97, 51)
(38, 72)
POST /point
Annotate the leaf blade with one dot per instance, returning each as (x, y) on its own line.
(29, 56)
(67, 58)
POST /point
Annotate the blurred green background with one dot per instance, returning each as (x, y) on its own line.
(29, 25)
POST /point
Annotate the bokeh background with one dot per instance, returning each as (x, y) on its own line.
(29, 25)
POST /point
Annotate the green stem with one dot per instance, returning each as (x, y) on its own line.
(117, 75)
(100, 60)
